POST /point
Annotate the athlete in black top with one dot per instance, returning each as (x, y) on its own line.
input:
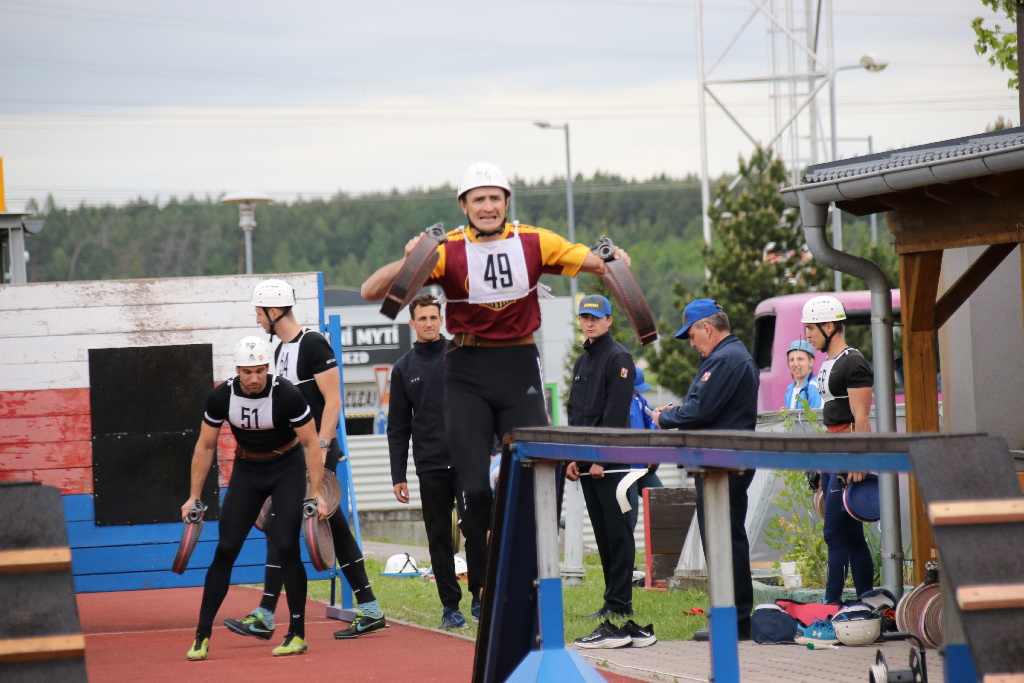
(602, 389)
(844, 382)
(268, 418)
(307, 360)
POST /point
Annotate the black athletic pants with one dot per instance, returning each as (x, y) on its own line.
(283, 477)
(488, 391)
(615, 542)
(742, 584)
(438, 491)
(350, 557)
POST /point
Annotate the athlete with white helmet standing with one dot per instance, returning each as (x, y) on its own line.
(306, 359)
(489, 270)
(273, 426)
(844, 382)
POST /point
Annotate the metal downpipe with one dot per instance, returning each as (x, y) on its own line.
(813, 217)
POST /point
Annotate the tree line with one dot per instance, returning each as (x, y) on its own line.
(757, 245)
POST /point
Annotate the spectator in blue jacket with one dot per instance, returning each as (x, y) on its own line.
(723, 395)
(800, 358)
(640, 418)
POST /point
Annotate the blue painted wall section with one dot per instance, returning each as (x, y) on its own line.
(138, 557)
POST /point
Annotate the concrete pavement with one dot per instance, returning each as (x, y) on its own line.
(691, 661)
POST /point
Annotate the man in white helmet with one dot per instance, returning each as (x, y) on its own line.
(489, 270)
(306, 359)
(273, 426)
(844, 382)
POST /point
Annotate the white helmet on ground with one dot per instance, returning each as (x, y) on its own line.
(823, 309)
(252, 351)
(273, 294)
(401, 565)
(483, 174)
(857, 631)
(460, 566)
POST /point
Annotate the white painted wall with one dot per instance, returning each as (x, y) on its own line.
(48, 328)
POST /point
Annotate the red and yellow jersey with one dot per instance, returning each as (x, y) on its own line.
(544, 251)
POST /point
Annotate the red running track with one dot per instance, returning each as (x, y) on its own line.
(143, 636)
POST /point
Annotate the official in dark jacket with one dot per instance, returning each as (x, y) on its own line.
(723, 395)
(602, 389)
(417, 411)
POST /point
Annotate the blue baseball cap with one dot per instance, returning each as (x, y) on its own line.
(695, 311)
(639, 384)
(596, 305)
(801, 345)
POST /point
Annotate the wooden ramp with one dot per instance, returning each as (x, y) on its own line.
(976, 511)
(40, 634)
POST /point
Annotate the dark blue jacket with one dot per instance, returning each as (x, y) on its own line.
(417, 410)
(723, 395)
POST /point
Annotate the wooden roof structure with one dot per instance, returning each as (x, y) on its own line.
(943, 195)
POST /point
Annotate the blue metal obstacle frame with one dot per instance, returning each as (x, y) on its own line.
(516, 596)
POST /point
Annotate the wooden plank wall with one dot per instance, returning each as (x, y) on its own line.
(45, 419)
(46, 436)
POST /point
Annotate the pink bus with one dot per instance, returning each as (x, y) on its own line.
(777, 324)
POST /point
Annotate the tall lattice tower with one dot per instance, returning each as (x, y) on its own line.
(767, 67)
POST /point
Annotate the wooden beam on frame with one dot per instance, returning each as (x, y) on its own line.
(968, 283)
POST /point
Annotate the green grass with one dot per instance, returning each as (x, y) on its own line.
(416, 601)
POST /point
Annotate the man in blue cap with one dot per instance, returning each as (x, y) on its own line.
(723, 395)
(602, 388)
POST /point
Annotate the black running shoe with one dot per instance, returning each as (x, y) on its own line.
(361, 626)
(606, 636)
(641, 636)
(252, 625)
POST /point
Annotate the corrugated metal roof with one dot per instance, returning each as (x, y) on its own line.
(934, 153)
(900, 170)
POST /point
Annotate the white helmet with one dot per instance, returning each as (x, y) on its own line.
(252, 351)
(273, 294)
(857, 631)
(401, 565)
(483, 174)
(460, 566)
(823, 309)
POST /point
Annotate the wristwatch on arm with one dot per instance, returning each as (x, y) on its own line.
(324, 443)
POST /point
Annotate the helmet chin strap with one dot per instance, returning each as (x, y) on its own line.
(272, 321)
(828, 337)
(481, 233)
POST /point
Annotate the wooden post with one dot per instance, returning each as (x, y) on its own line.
(919, 285)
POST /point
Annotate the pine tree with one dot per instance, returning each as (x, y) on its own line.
(757, 252)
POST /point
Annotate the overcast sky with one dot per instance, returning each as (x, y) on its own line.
(104, 101)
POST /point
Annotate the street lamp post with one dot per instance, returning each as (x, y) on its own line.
(572, 570)
(246, 218)
(568, 193)
(868, 62)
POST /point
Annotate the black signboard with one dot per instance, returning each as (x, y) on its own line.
(374, 344)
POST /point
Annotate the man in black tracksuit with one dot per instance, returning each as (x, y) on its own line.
(417, 410)
(602, 389)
